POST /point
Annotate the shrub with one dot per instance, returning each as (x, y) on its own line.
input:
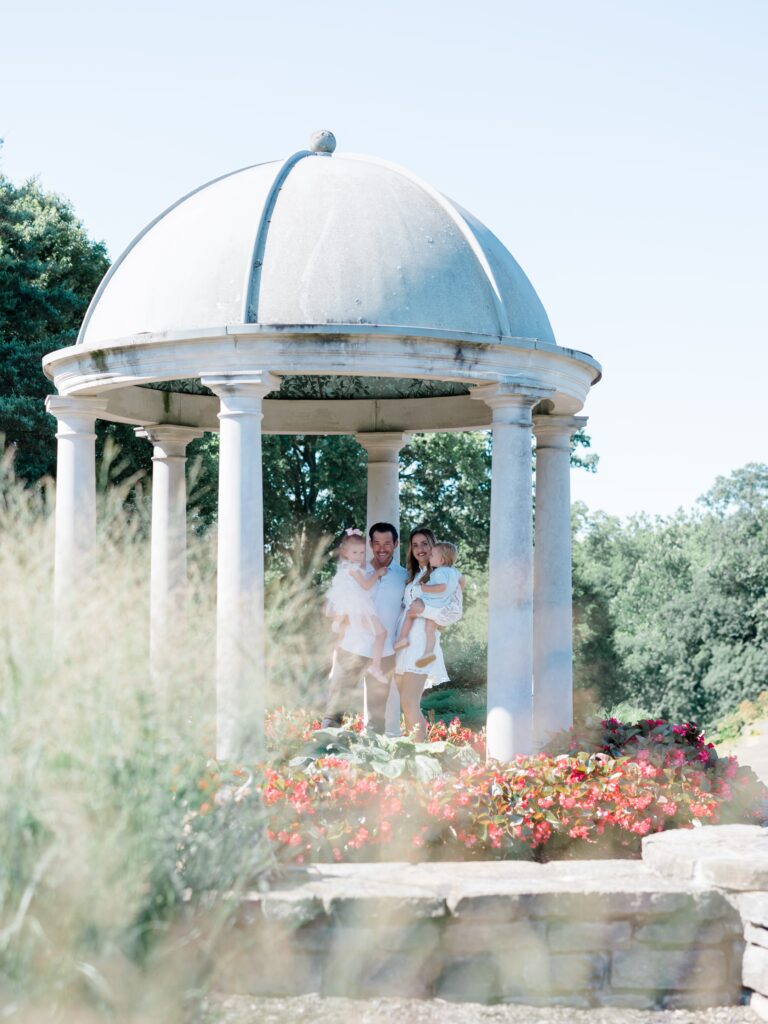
(731, 726)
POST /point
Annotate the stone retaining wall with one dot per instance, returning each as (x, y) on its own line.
(582, 934)
(731, 859)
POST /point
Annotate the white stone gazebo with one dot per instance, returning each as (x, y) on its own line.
(330, 294)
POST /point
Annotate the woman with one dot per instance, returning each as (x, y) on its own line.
(409, 678)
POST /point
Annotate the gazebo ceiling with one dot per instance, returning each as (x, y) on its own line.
(318, 240)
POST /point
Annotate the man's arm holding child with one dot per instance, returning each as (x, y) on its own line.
(367, 581)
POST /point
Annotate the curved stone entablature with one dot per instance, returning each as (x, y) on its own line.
(423, 355)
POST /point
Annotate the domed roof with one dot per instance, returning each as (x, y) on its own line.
(320, 239)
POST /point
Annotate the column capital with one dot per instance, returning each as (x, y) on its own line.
(62, 406)
(512, 400)
(382, 446)
(256, 383)
(75, 416)
(171, 438)
(556, 431)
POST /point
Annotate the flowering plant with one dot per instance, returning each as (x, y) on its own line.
(348, 796)
(654, 739)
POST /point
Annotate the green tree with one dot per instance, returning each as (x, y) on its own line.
(672, 613)
(49, 269)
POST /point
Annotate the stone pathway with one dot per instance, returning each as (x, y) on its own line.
(247, 1010)
(751, 749)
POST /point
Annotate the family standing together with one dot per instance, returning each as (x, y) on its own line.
(387, 620)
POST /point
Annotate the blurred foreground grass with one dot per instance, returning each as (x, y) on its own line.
(107, 907)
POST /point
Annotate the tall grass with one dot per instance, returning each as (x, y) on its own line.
(106, 904)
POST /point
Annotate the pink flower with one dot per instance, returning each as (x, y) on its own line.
(578, 832)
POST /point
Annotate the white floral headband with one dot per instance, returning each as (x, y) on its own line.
(352, 531)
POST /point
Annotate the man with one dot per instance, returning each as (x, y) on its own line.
(353, 655)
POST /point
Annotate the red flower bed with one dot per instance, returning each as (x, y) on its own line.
(585, 802)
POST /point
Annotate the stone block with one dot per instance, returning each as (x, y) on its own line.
(685, 930)
(378, 973)
(639, 1000)
(754, 971)
(701, 1000)
(500, 907)
(468, 980)
(605, 906)
(292, 909)
(464, 938)
(282, 973)
(730, 856)
(532, 972)
(415, 936)
(759, 1005)
(314, 937)
(627, 1000)
(753, 908)
(365, 910)
(568, 936)
(756, 934)
(660, 971)
(356, 966)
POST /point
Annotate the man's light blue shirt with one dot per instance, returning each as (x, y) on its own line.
(388, 602)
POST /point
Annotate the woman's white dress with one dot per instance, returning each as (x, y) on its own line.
(408, 656)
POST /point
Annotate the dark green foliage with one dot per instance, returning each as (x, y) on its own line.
(49, 269)
(313, 488)
(23, 420)
(445, 482)
(448, 701)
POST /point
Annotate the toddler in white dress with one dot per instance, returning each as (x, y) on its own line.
(349, 599)
(441, 602)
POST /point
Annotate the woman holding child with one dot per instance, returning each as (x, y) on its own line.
(419, 658)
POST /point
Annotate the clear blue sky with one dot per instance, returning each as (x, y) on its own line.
(617, 148)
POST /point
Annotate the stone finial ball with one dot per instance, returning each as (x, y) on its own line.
(322, 142)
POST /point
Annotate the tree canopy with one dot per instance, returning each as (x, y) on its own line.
(49, 269)
(672, 613)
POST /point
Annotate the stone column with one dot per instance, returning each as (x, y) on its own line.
(510, 583)
(75, 488)
(169, 533)
(552, 592)
(240, 597)
(383, 506)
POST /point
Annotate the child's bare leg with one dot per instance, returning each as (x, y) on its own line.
(429, 646)
(431, 631)
(413, 613)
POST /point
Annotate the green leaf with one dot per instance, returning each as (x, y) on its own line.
(389, 769)
(426, 768)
